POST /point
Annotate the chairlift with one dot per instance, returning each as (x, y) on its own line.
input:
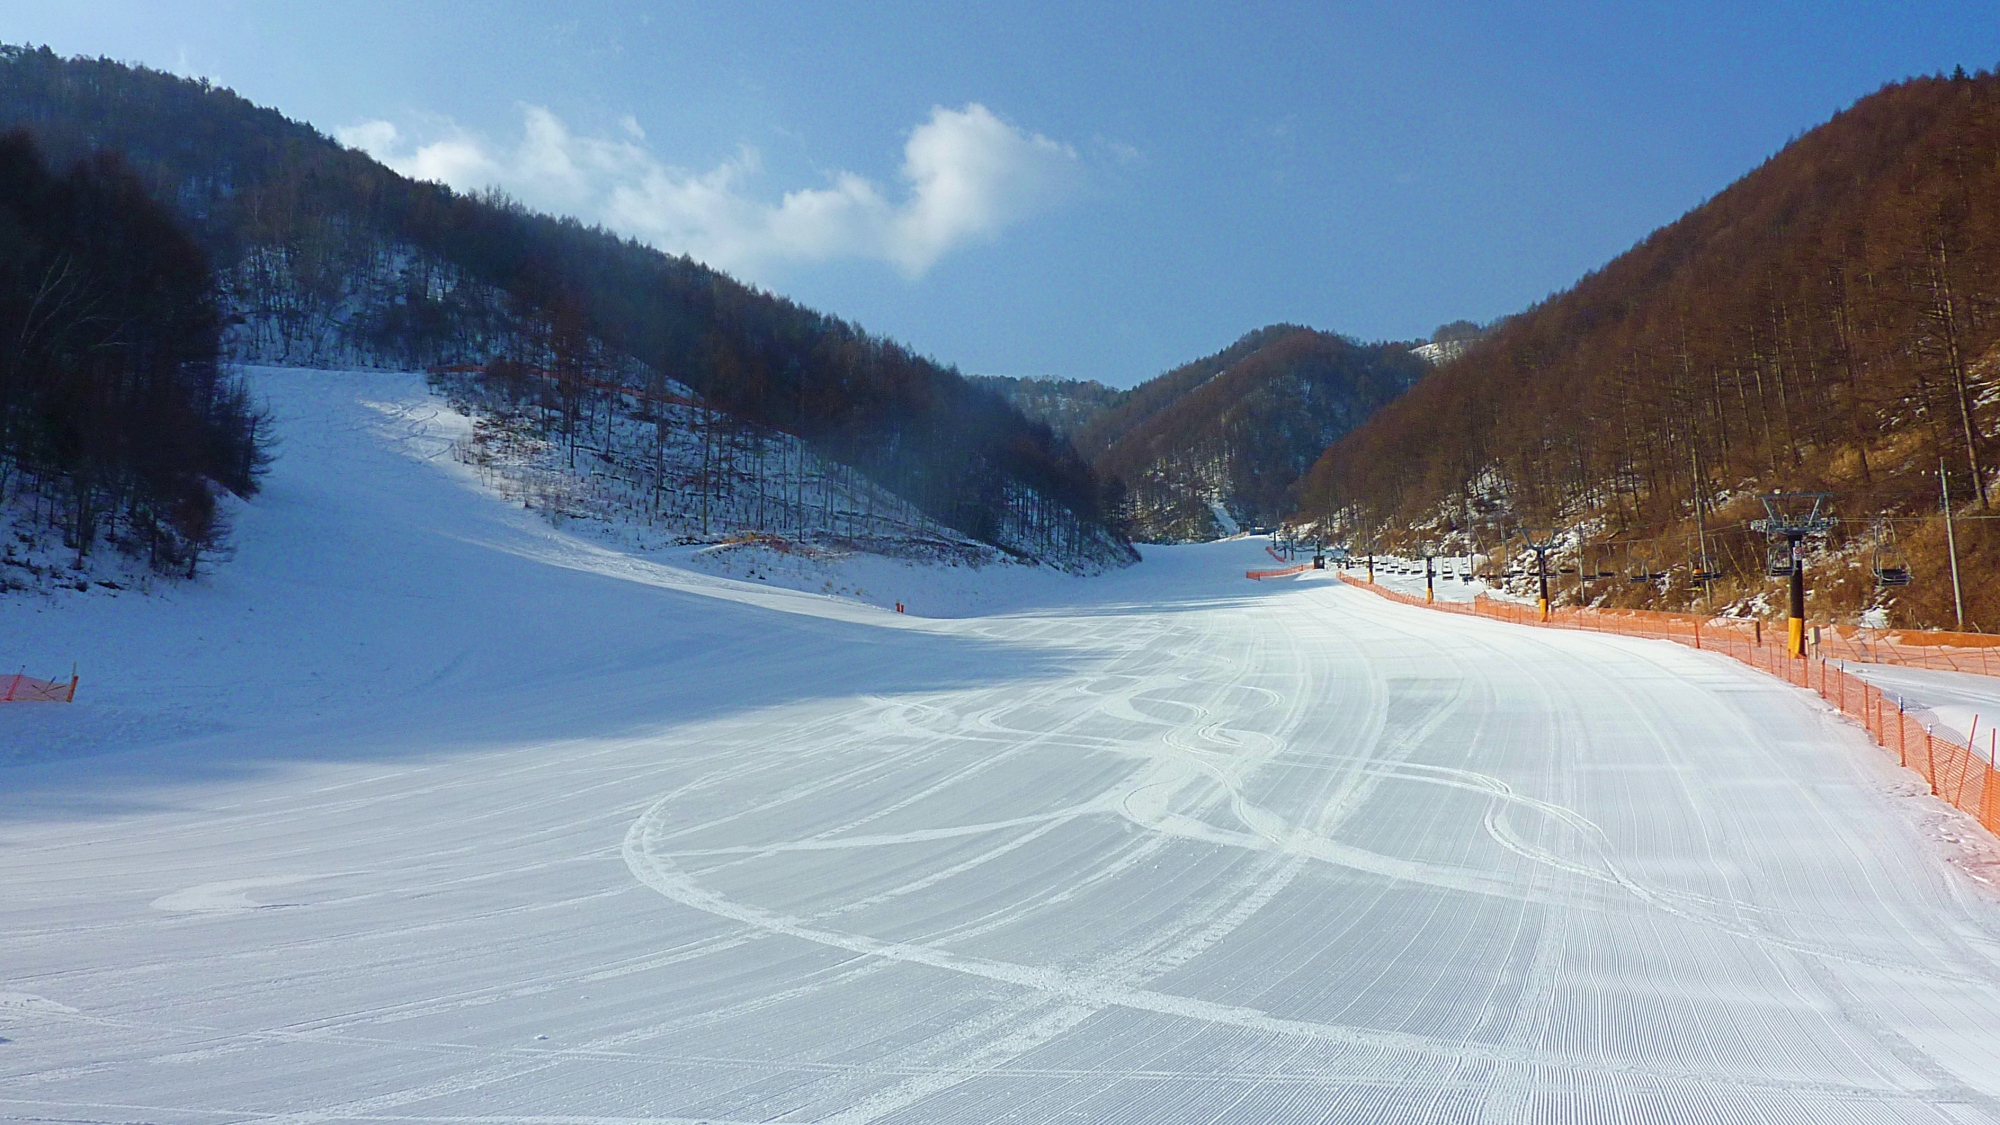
(1891, 566)
(1640, 567)
(1778, 561)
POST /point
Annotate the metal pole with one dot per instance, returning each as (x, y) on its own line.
(1951, 546)
(1542, 570)
(1700, 524)
(1795, 625)
(1430, 593)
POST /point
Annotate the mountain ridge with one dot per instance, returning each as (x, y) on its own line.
(1829, 322)
(293, 218)
(1230, 433)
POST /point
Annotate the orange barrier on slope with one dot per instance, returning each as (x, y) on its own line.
(19, 688)
(1956, 772)
(1262, 574)
(1944, 652)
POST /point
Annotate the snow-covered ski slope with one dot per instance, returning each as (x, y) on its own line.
(1964, 703)
(421, 811)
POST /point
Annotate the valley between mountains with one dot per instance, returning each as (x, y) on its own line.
(422, 809)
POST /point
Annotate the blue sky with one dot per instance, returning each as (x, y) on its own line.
(1070, 189)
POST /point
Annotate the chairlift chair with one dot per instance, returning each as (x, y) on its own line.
(1640, 567)
(1778, 560)
(1891, 566)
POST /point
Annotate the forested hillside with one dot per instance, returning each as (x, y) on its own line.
(332, 258)
(1831, 322)
(117, 424)
(1224, 439)
(1066, 406)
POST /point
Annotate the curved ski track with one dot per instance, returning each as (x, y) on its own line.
(1184, 850)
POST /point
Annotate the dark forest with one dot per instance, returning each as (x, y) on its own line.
(115, 414)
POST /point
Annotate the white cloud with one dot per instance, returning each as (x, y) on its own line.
(966, 176)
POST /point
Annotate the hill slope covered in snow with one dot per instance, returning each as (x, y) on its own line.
(425, 810)
(333, 259)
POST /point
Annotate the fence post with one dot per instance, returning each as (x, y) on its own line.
(1902, 736)
(1930, 759)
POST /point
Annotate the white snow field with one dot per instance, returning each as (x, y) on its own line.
(420, 811)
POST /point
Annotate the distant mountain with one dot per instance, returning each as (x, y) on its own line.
(1220, 442)
(1828, 323)
(1066, 406)
(1449, 342)
(331, 258)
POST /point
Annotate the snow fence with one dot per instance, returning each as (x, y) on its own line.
(1956, 772)
(1262, 574)
(22, 688)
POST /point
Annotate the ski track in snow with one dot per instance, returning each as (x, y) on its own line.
(487, 823)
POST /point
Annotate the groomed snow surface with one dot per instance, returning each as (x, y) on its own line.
(420, 810)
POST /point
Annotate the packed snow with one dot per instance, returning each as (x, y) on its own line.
(421, 809)
(1963, 703)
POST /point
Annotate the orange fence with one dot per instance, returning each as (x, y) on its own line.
(1945, 652)
(1956, 772)
(1261, 574)
(19, 688)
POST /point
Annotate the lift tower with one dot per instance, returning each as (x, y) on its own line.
(1794, 516)
(1541, 540)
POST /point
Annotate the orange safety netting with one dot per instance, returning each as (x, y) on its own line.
(18, 688)
(1261, 574)
(1946, 652)
(1958, 774)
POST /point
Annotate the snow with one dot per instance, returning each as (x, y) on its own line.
(1223, 519)
(421, 809)
(1955, 701)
